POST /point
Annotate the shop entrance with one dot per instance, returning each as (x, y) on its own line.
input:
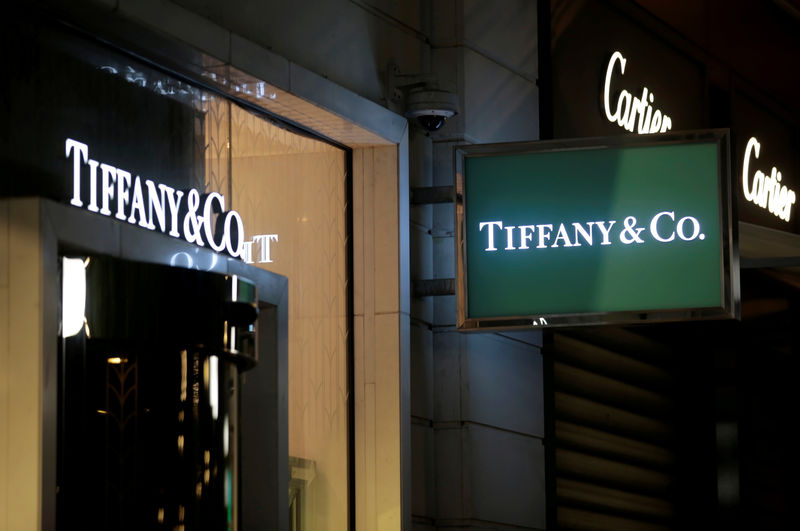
(149, 395)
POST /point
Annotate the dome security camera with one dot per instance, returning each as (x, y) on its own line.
(431, 107)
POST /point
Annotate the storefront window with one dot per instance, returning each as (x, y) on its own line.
(290, 189)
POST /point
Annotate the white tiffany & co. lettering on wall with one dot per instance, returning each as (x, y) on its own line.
(156, 206)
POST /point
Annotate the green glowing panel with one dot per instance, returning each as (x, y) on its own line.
(611, 232)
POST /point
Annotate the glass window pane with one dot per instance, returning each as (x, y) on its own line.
(291, 193)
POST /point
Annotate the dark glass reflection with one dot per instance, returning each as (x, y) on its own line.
(148, 415)
(62, 85)
(149, 439)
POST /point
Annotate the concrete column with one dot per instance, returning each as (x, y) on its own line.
(477, 399)
(21, 367)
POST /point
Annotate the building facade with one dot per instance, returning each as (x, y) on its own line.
(309, 148)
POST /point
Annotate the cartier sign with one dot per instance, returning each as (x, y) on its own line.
(765, 189)
(634, 114)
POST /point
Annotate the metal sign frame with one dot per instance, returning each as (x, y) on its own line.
(729, 259)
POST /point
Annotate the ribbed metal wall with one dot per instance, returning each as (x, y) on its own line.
(613, 433)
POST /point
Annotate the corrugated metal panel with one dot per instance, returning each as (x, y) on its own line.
(608, 390)
(580, 520)
(602, 471)
(599, 360)
(588, 494)
(580, 437)
(615, 420)
(614, 434)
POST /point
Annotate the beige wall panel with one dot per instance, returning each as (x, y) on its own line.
(4, 369)
(387, 419)
(359, 414)
(295, 187)
(387, 297)
(371, 454)
(23, 354)
(365, 285)
(359, 256)
(377, 340)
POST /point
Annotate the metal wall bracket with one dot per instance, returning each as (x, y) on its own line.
(432, 194)
(433, 287)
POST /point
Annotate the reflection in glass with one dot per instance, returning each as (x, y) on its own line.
(73, 295)
(148, 418)
(137, 453)
(291, 191)
(295, 187)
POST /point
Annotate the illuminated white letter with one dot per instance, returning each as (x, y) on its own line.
(752, 145)
(654, 226)
(695, 231)
(80, 151)
(174, 200)
(772, 188)
(602, 226)
(561, 234)
(759, 189)
(655, 125)
(781, 196)
(93, 186)
(491, 225)
(637, 108)
(123, 183)
(587, 235)
(109, 178)
(510, 238)
(247, 252)
(544, 235)
(208, 221)
(137, 206)
(156, 205)
(616, 56)
(644, 112)
(787, 213)
(622, 117)
(645, 128)
(228, 238)
(265, 240)
(525, 235)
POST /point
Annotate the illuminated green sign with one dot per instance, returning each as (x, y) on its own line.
(592, 231)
